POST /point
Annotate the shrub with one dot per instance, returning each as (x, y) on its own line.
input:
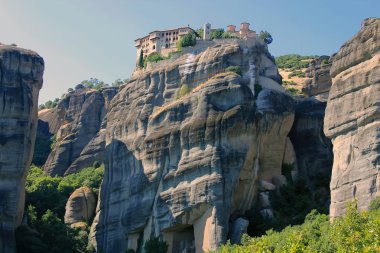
(375, 204)
(294, 61)
(153, 57)
(258, 88)
(266, 37)
(154, 245)
(235, 69)
(216, 33)
(227, 35)
(185, 89)
(293, 91)
(298, 73)
(188, 40)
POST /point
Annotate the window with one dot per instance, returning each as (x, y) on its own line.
(154, 47)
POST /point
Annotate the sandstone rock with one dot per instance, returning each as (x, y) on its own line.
(20, 81)
(80, 206)
(238, 228)
(352, 119)
(77, 122)
(320, 79)
(180, 167)
(266, 186)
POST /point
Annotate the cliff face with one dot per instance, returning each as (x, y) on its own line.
(78, 123)
(352, 119)
(319, 79)
(187, 145)
(20, 81)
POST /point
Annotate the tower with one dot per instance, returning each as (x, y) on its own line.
(206, 31)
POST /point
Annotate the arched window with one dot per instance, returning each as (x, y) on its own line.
(154, 47)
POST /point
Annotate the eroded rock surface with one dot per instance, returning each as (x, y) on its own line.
(319, 81)
(80, 206)
(352, 119)
(183, 166)
(78, 124)
(20, 81)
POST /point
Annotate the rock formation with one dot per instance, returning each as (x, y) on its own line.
(78, 123)
(20, 81)
(352, 119)
(187, 144)
(80, 206)
(319, 79)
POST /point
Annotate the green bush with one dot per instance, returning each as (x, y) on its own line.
(188, 40)
(154, 245)
(153, 57)
(294, 61)
(293, 92)
(235, 69)
(354, 232)
(216, 33)
(258, 88)
(185, 89)
(266, 37)
(298, 73)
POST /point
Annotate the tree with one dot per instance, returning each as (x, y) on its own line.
(188, 40)
(141, 59)
(200, 32)
(94, 83)
(266, 36)
(217, 33)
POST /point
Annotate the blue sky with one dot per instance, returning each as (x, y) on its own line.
(79, 39)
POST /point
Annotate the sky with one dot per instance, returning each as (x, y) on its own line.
(80, 39)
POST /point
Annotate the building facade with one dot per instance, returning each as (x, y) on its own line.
(162, 42)
(244, 33)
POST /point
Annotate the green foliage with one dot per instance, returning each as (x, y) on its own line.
(289, 83)
(94, 83)
(216, 33)
(294, 61)
(42, 149)
(258, 88)
(324, 61)
(185, 89)
(266, 37)
(154, 245)
(46, 197)
(235, 69)
(200, 32)
(293, 92)
(375, 204)
(141, 59)
(118, 82)
(298, 73)
(46, 192)
(227, 35)
(49, 104)
(286, 170)
(153, 57)
(354, 232)
(189, 40)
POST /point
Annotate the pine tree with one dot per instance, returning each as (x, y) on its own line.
(141, 59)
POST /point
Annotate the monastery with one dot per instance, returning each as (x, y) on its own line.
(165, 41)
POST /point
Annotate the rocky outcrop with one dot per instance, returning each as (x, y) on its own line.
(319, 79)
(313, 149)
(78, 123)
(352, 119)
(187, 144)
(20, 81)
(80, 206)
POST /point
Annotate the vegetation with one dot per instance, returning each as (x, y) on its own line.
(216, 33)
(289, 83)
(235, 69)
(141, 59)
(49, 104)
(258, 88)
(46, 197)
(200, 32)
(153, 57)
(94, 83)
(266, 36)
(294, 61)
(154, 245)
(298, 73)
(293, 91)
(354, 232)
(185, 89)
(189, 40)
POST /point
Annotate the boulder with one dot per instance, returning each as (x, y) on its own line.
(20, 81)
(80, 207)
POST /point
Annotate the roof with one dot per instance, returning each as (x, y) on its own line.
(168, 30)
